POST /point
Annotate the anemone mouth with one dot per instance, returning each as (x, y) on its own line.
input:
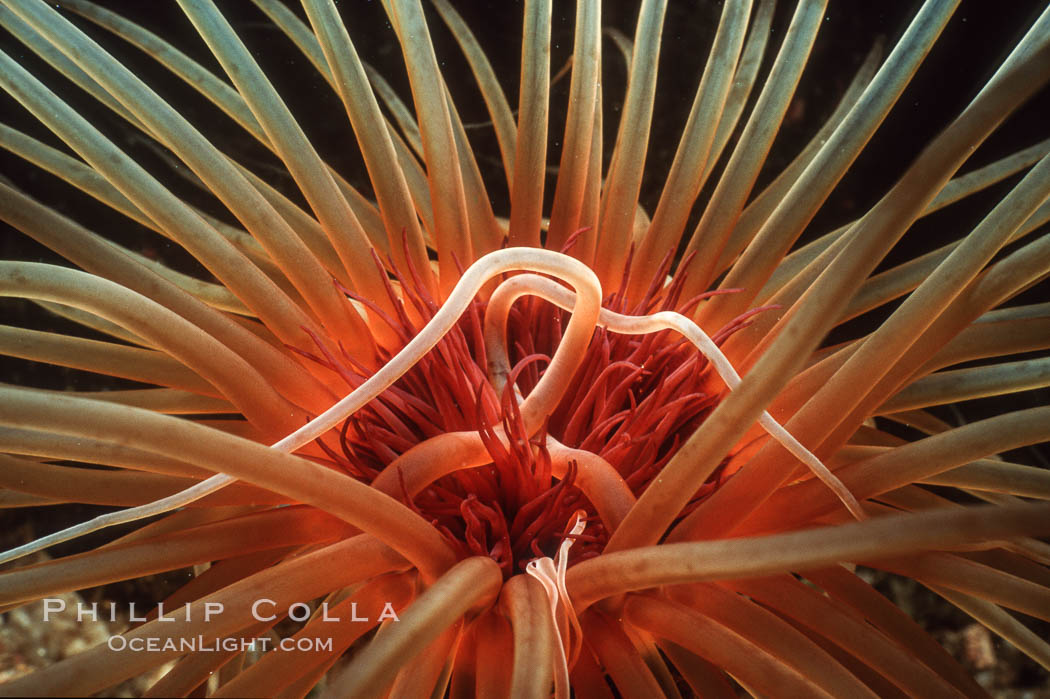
(632, 402)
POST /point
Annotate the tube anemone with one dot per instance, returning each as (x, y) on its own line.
(592, 389)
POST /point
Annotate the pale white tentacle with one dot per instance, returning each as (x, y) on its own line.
(534, 285)
(551, 574)
(459, 299)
